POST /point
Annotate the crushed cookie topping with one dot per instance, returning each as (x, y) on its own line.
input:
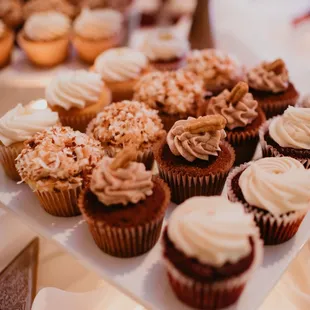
(176, 92)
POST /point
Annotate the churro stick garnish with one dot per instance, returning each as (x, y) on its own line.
(238, 92)
(206, 124)
(123, 158)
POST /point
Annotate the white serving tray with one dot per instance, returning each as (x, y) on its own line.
(142, 278)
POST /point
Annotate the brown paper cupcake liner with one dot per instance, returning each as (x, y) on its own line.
(172, 66)
(77, 122)
(270, 151)
(61, 203)
(273, 229)
(8, 155)
(147, 158)
(211, 295)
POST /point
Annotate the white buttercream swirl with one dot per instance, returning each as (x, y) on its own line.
(276, 184)
(120, 64)
(21, 123)
(98, 24)
(74, 89)
(292, 129)
(213, 230)
(47, 26)
(165, 45)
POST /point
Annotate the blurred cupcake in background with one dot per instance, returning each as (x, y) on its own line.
(6, 44)
(166, 50)
(77, 96)
(45, 38)
(96, 31)
(304, 102)
(11, 13)
(120, 69)
(149, 12)
(176, 9)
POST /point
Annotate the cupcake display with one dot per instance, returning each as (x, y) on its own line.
(244, 118)
(45, 38)
(211, 248)
(194, 159)
(127, 123)
(120, 69)
(56, 164)
(218, 69)
(77, 96)
(166, 50)
(17, 126)
(276, 191)
(176, 94)
(271, 87)
(288, 135)
(96, 31)
(6, 44)
(124, 206)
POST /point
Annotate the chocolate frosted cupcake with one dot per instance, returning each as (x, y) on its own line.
(56, 164)
(166, 50)
(211, 248)
(77, 96)
(244, 119)
(218, 69)
(176, 94)
(276, 192)
(288, 135)
(193, 159)
(269, 83)
(124, 207)
(127, 123)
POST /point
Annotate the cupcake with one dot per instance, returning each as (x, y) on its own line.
(244, 118)
(193, 159)
(77, 96)
(288, 135)
(120, 69)
(6, 44)
(45, 38)
(11, 13)
(127, 123)
(276, 191)
(304, 102)
(218, 69)
(124, 206)
(149, 12)
(56, 164)
(166, 50)
(16, 126)
(175, 94)
(270, 85)
(211, 248)
(96, 31)
(176, 9)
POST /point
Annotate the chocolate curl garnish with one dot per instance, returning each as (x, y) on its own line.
(238, 92)
(123, 158)
(276, 66)
(206, 124)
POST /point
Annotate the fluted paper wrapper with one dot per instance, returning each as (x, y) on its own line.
(61, 203)
(147, 158)
(270, 151)
(273, 109)
(172, 66)
(215, 295)
(77, 122)
(8, 155)
(273, 229)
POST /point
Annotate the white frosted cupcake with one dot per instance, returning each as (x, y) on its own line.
(120, 69)
(77, 96)
(6, 44)
(96, 31)
(45, 38)
(17, 126)
(166, 50)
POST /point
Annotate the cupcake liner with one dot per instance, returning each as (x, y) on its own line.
(215, 295)
(77, 122)
(273, 229)
(8, 155)
(6, 44)
(172, 66)
(147, 158)
(62, 203)
(270, 151)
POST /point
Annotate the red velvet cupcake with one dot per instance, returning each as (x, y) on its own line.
(124, 207)
(269, 83)
(193, 159)
(276, 191)
(211, 248)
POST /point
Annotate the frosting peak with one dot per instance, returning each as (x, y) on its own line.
(74, 89)
(213, 230)
(276, 184)
(195, 144)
